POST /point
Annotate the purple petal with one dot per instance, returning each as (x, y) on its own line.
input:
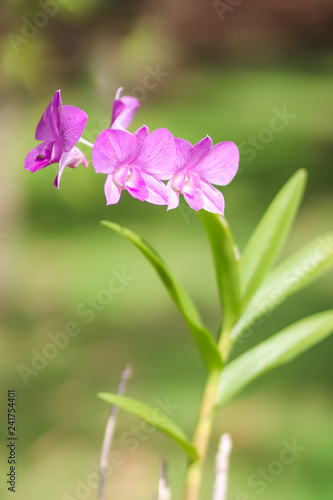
(173, 197)
(192, 191)
(141, 134)
(195, 202)
(41, 156)
(123, 111)
(199, 151)
(112, 192)
(158, 194)
(136, 185)
(47, 128)
(220, 164)
(71, 159)
(178, 180)
(117, 108)
(184, 152)
(113, 149)
(213, 199)
(157, 154)
(130, 178)
(56, 152)
(117, 96)
(72, 123)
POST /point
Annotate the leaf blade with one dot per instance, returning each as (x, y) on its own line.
(270, 234)
(153, 416)
(277, 350)
(226, 260)
(201, 335)
(293, 274)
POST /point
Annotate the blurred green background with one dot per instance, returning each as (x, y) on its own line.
(198, 67)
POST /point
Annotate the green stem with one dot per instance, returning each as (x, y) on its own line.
(204, 426)
(201, 437)
(224, 344)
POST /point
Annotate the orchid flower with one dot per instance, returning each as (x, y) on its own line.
(196, 168)
(60, 128)
(123, 110)
(131, 162)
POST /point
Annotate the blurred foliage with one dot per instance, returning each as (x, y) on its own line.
(224, 79)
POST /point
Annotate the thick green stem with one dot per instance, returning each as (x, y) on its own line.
(204, 426)
(224, 345)
(201, 437)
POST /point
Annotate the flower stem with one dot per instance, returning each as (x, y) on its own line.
(87, 143)
(224, 345)
(205, 421)
(201, 437)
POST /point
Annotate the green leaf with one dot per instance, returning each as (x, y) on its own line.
(226, 260)
(270, 234)
(293, 274)
(201, 335)
(277, 350)
(155, 417)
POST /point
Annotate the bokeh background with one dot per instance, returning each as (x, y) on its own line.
(223, 68)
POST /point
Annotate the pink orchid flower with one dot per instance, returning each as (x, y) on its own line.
(131, 162)
(60, 128)
(196, 168)
(123, 110)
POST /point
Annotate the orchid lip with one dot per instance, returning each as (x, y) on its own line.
(178, 181)
(120, 178)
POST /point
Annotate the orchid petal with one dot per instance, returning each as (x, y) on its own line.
(112, 192)
(40, 157)
(72, 123)
(72, 159)
(120, 175)
(192, 184)
(56, 151)
(220, 164)
(200, 150)
(157, 154)
(113, 149)
(117, 108)
(123, 111)
(178, 180)
(213, 199)
(173, 197)
(56, 105)
(47, 128)
(135, 184)
(141, 134)
(131, 179)
(193, 192)
(184, 152)
(119, 91)
(158, 194)
(195, 201)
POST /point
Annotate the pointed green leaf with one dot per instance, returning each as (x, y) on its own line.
(277, 350)
(270, 234)
(293, 274)
(153, 416)
(201, 335)
(226, 260)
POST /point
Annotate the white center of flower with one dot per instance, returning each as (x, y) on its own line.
(179, 181)
(122, 175)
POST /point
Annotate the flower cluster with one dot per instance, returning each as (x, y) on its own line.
(139, 162)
